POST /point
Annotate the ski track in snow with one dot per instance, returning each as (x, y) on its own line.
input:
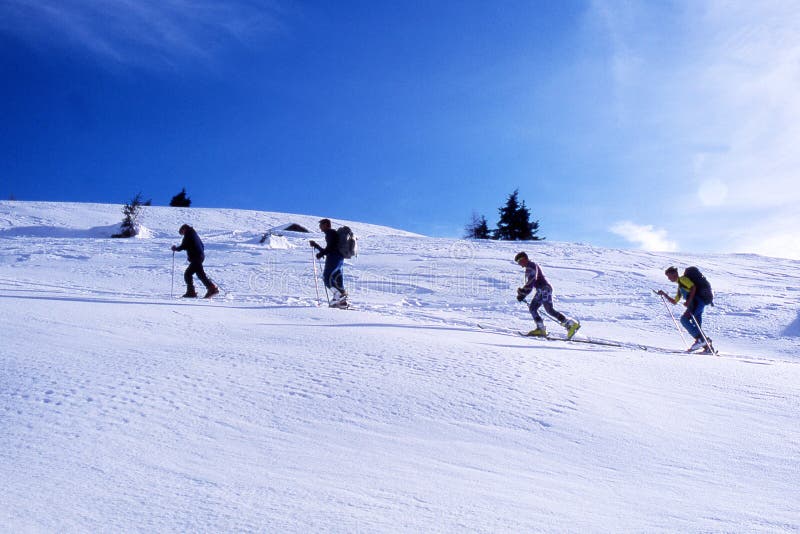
(123, 408)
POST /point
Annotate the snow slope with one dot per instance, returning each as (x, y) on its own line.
(123, 409)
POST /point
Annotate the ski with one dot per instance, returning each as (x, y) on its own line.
(595, 341)
(590, 341)
(706, 350)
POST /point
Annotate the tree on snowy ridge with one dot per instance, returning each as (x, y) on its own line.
(181, 200)
(132, 211)
(515, 223)
(478, 228)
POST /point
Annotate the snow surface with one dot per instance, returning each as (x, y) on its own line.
(123, 409)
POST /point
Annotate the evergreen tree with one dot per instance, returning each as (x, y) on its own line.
(478, 228)
(132, 211)
(515, 223)
(526, 230)
(181, 200)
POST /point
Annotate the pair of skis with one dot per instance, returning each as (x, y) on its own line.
(551, 337)
(591, 341)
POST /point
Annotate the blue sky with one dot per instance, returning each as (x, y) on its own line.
(664, 125)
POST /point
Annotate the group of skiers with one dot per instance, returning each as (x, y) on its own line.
(695, 297)
(332, 273)
(696, 294)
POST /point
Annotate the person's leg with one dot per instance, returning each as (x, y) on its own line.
(690, 326)
(332, 277)
(337, 277)
(327, 272)
(187, 277)
(547, 303)
(533, 307)
(201, 274)
(698, 312)
(697, 322)
(211, 287)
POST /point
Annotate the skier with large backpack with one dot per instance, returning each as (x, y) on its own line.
(339, 245)
(695, 289)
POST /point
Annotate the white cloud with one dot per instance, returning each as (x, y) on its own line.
(645, 237)
(150, 33)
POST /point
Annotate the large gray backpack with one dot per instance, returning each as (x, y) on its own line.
(348, 244)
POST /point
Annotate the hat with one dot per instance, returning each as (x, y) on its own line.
(519, 256)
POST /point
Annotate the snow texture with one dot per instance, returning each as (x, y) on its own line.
(420, 410)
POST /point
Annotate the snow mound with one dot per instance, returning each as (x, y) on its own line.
(274, 241)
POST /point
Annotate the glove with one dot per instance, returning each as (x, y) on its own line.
(313, 244)
(319, 255)
(521, 294)
(174, 248)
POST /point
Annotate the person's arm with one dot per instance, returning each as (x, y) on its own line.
(331, 243)
(182, 246)
(672, 300)
(531, 275)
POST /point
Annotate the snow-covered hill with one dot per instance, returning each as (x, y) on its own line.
(122, 408)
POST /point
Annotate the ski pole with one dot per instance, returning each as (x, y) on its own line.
(172, 283)
(316, 284)
(671, 315)
(702, 334)
(674, 321)
(324, 285)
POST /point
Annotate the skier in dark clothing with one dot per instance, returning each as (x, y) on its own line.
(332, 274)
(542, 296)
(195, 253)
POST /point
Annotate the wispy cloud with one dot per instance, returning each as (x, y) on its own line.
(645, 236)
(717, 79)
(749, 71)
(151, 33)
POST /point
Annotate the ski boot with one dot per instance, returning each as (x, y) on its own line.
(190, 293)
(698, 344)
(708, 348)
(572, 326)
(540, 331)
(339, 299)
(211, 291)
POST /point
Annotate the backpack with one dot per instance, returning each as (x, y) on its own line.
(702, 283)
(348, 245)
